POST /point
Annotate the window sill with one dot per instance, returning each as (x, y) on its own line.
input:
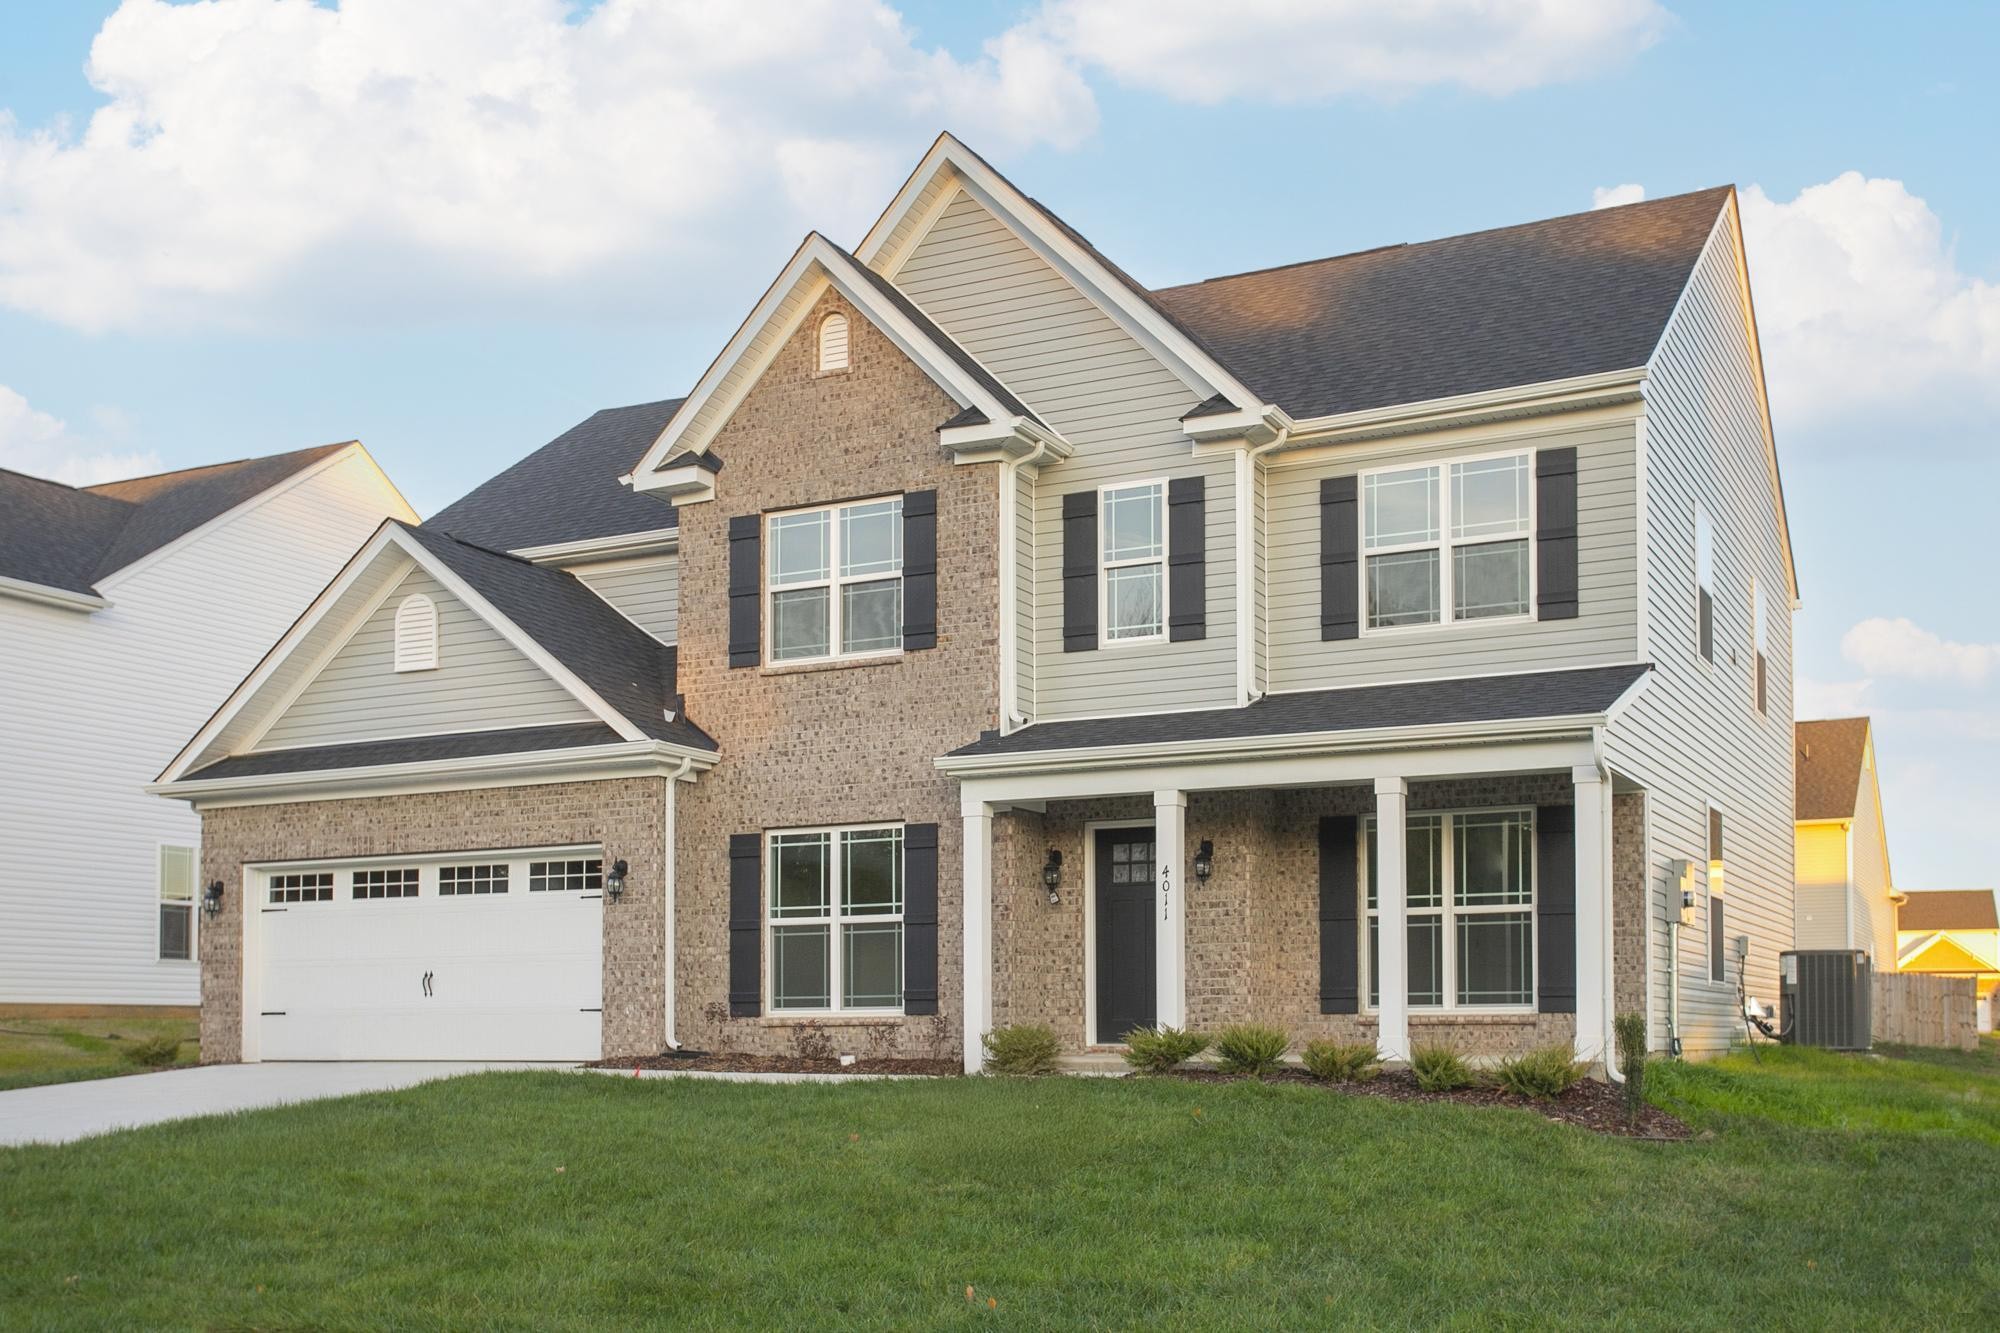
(1446, 626)
(820, 1018)
(830, 664)
(1471, 1017)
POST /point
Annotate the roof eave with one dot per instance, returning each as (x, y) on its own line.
(44, 594)
(1016, 439)
(1605, 389)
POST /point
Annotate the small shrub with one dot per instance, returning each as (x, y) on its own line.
(1249, 1048)
(154, 1052)
(1631, 1029)
(1545, 1072)
(1021, 1048)
(1440, 1068)
(1342, 1061)
(1156, 1050)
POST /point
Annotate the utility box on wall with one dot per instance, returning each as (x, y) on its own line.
(1824, 998)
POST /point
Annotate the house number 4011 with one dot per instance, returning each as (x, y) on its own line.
(1166, 888)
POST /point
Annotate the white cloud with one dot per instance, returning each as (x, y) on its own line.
(1829, 698)
(265, 162)
(42, 445)
(1313, 50)
(1904, 650)
(1613, 196)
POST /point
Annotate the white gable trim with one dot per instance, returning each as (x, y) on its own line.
(47, 595)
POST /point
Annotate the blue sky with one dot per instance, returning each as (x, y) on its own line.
(255, 247)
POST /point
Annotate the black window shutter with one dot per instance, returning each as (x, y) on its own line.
(1339, 554)
(1187, 560)
(746, 594)
(1339, 917)
(920, 918)
(746, 924)
(1555, 534)
(1079, 569)
(1555, 908)
(919, 570)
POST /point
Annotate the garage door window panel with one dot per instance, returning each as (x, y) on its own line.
(471, 880)
(389, 882)
(313, 886)
(579, 876)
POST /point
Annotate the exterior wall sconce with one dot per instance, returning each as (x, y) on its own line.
(614, 883)
(211, 900)
(1052, 876)
(1204, 861)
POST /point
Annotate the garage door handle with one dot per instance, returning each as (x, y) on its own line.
(427, 982)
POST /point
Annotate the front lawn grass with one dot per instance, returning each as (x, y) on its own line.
(572, 1200)
(60, 1050)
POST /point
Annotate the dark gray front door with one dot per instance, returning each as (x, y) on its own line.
(1127, 916)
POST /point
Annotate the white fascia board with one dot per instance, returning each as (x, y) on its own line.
(1520, 400)
(684, 484)
(42, 593)
(1012, 439)
(1254, 426)
(592, 549)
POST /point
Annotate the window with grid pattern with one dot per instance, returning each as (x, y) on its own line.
(393, 882)
(461, 881)
(312, 886)
(565, 876)
(1469, 883)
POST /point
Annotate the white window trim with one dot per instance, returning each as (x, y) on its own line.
(428, 866)
(192, 903)
(833, 919)
(1443, 545)
(833, 582)
(1450, 912)
(1104, 567)
(1703, 520)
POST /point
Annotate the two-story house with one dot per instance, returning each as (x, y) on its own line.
(128, 611)
(1380, 646)
(1847, 896)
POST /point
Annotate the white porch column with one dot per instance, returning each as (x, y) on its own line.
(1392, 1011)
(1170, 939)
(978, 929)
(1593, 916)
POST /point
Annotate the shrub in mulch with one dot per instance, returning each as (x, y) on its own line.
(725, 1062)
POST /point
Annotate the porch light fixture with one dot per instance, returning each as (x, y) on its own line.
(614, 883)
(211, 899)
(1204, 861)
(1052, 876)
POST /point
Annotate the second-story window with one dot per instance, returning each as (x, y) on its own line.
(1704, 583)
(835, 581)
(1447, 543)
(1760, 680)
(1134, 565)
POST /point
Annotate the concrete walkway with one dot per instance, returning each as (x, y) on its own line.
(65, 1112)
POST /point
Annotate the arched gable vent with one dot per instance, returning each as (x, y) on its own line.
(416, 634)
(833, 343)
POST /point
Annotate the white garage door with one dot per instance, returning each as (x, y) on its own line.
(480, 956)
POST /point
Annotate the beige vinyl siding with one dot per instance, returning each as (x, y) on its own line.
(1120, 408)
(645, 592)
(1024, 588)
(482, 682)
(1822, 907)
(1693, 735)
(1604, 630)
(1260, 576)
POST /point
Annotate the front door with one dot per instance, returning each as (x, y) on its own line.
(1127, 916)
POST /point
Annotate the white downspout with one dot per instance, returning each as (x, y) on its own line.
(668, 887)
(1011, 715)
(1246, 565)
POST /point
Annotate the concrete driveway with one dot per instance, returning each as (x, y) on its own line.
(64, 1112)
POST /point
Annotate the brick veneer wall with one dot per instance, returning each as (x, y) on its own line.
(1628, 904)
(627, 816)
(845, 743)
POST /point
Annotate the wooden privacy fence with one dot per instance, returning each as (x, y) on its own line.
(1915, 1009)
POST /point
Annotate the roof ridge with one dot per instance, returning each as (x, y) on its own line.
(96, 487)
(65, 486)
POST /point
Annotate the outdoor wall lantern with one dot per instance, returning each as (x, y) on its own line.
(1052, 876)
(614, 883)
(211, 900)
(1204, 861)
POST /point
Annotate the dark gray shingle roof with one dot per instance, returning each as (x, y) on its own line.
(1517, 697)
(406, 750)
(567, 490)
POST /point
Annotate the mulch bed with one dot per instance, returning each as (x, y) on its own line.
(723, 1062)
(1590, 1105)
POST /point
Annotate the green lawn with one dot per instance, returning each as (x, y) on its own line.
(61, 1050)
(1834, 1191)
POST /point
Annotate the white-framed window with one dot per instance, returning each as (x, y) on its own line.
(1132, 562)
(176, 903)
(416, 634)
(1445, 543)
(1718, 955)
(578, 875)
(1760, 677)
(1704, 583)
(305, 886)
(834, 919)
(833, 343)
(1470, 885)
(385, 882)
(465, 880)
(834, 581)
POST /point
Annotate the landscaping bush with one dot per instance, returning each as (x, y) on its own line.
(1545, 1072)
(1440, 1068)
(1342, 1061)
(1250, 1049)
(1156, 1050)
(1631, 1029)
(154, 1052)
(1021, 1048)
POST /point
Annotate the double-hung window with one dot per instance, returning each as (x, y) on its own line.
(1133, 562)
(176, 903)
(1448, 542)
(1470, 903)
(835, 581)
(835, 919)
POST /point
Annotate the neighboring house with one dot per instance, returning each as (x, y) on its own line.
(988, 639)
(127, 613)
(1847, 896)
(1956, 933)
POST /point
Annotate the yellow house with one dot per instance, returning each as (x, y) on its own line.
(1953, 932)
(1846, 896)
